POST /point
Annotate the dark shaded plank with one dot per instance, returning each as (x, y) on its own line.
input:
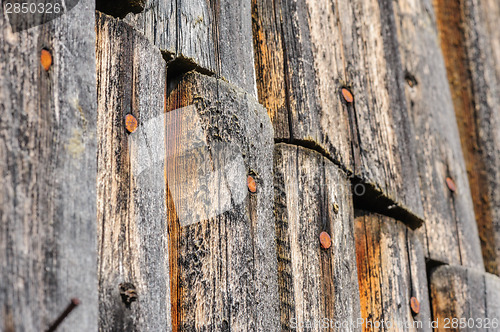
(470, 41)
(467, 294)
(212, 36)
(391, 270)
(306, 51)
(132, 226)
(450, 229)
(223, 250)
(318, 286)
(48, 172)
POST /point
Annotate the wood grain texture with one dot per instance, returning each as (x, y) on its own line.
(48, 172)
(450, 228)
(459, 292)
(131, 209)
(223, 249)
(213, 35)
(470, 42)
(391, 269)
(318, 287)
(306, 51)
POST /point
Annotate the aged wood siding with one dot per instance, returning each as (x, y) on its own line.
(463, 293)
(450, 231)
(317, 285)
(391, 270)
(48, 172)
(213, 36)
(131, 218)
(470, 40)
(223, 249)
(306, 51)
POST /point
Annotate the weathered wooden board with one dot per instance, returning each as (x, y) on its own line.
(214, 36)
(465, 299)
(48, 172)
(222, 235)
(318, 286)
(306, 51)
(470, 41)
(391, 270)
(450, 228)
(131, 209)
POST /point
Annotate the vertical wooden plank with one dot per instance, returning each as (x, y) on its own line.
(470, 43)
(317, 48)
(317, 285)
(158, 22)
(132, 228)
(48, 171)
(450, 228)
(465, 299)
(222, 231)
(391, 270)
(269, 65)
(214, 36)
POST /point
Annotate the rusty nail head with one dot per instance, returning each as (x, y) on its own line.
(451, 184)
(347, 95)
(415, 305)
(130, 123)
(325, 240)
(252, 186)
(45, 59)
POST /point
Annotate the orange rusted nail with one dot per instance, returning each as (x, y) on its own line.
(130, 123)
(347, 95)
(46, 59)
(415, 305)
(451, 184)
(325, 240)
(252, 186)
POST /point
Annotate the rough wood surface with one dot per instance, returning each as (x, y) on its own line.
(470, 40)
(48, 172)
(391, 270)
(450, 230)
(214, 35)
(223, 250)
(471, 296)
(318, 287)
(131, 218)
(306, 51)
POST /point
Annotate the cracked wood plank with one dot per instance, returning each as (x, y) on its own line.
(131, 193)
(313, 196)
(391, 270)
(222, 236)
(450, 229)
(48, 172)
(306, 51)
(470, 41)
(467, 295)
(215, 36)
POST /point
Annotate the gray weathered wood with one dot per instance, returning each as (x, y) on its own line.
(131, 214)
(48, 172)
(318, 287)
(450, 228)
(459, 292)
(470, 40)
(214, 35)
(311, 49)
(223, 250)
(391, 269)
